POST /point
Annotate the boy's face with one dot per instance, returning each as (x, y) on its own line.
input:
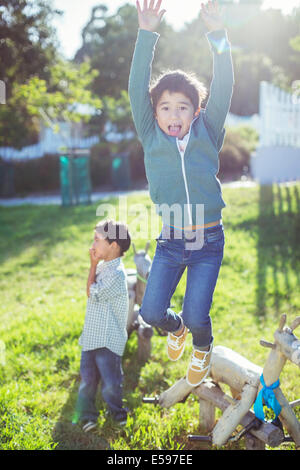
(174, 114)
(104, 250)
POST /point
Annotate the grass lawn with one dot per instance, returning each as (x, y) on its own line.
(43, 271)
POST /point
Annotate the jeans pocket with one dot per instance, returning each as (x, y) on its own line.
(162, 243)
(215, 240)
(166, 247)
(162, 240)
(213, 237)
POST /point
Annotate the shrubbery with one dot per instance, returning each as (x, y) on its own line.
(42, 174)
(36, 175)
(239, 143)
(102, 155)
(100, 164)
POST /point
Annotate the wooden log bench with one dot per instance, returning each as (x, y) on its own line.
(243, 378)
(136, 283)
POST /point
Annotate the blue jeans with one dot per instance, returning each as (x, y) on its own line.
(95, 365)
(169, 262)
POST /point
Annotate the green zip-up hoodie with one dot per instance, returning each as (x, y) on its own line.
(187, 178)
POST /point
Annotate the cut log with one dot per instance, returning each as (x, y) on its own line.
(252, 443)
(286, 342)
(295, 403)
(243, 378)
(227, 367)
(145, 333)
(233, 415)
(131, 285)
(207, 416)
(267, 344)
(212, 394)
(295, 323)
(273, 367)
(282, 322)
(132, 314)
(288, 417)
(267, 433)
(140, 291)
(236, 395)
(284, 338)
(178, 392)
(233, 369)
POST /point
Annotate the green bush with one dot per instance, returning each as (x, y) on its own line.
(100, 164)
(249, 135)
(137, 166)
(101, 157)
(235, 155)
(37, 175)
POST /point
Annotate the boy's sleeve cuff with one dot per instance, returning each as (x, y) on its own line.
(218, 40)
(148, 35)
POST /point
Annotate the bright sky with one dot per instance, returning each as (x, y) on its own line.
(77, 13)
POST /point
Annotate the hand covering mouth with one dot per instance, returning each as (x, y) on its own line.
(174, 130)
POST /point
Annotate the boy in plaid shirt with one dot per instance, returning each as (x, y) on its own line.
(104, 333)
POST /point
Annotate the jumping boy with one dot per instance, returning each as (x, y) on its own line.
(181, 144)
(104, 333)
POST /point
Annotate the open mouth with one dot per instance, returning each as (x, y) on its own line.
(174, 130)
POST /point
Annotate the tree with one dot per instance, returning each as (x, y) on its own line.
(269, 33)
(108, 41)
(27, 48)
(27, 40)
(295, 43)
(38, 80)
(59, 98)
(56, 99)
(249, 71)
(262, 49)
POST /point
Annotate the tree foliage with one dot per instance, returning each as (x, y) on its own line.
(27, 40)
(39, 83)
(59, 98)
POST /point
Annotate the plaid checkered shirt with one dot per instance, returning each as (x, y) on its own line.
(107, 309)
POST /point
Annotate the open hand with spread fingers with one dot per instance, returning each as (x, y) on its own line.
(211, 16)
(150, 16)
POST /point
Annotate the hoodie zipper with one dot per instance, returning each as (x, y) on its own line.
(182, 152)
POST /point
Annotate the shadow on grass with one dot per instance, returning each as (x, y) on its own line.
(68, 436)
(278, 250)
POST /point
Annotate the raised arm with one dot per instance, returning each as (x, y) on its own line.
(221, 88)
(149, 18)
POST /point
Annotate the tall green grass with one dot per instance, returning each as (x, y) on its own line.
(43, 271)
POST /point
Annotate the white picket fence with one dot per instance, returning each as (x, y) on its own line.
(233, 120)
(277, 158)
(50, 143)
(280, 117)
(69, 135)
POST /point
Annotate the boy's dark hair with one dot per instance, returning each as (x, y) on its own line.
(178, 81)
(115, 232)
